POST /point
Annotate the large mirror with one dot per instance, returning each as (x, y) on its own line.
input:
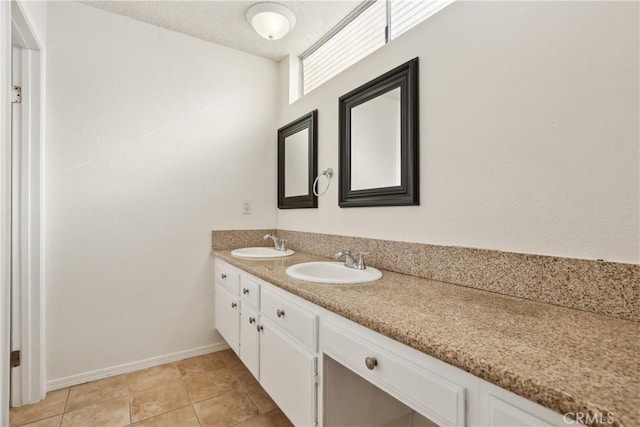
(297, 163)
(379, 141)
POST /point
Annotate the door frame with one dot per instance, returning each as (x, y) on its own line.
(5, 208)
(23, 282)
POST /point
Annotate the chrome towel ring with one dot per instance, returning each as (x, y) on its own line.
(329, 174)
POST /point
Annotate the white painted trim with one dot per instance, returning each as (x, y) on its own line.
(19, 133)
(29, 379)
(5, 207)
(133, 366)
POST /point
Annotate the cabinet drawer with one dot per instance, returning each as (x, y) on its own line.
(428, 393)
(295, 320)
(227, 277)
(250, 292)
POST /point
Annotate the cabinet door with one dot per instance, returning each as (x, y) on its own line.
(288, 374)
(250, 340)
(228, 317)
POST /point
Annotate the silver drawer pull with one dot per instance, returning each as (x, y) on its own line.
(224, 276)
(245, 291)
(252, 320)
(280, 312)
(371, 362)
(234, 305)
(259, 328)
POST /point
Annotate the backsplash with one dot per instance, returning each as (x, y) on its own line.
(233, 239)
(607, 288)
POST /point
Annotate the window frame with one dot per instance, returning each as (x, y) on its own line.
(341, 25)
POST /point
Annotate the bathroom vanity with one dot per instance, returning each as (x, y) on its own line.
(356, 355)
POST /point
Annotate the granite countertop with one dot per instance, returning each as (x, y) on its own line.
(564, 359)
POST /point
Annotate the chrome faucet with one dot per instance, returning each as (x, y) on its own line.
(350, 261)
(279, 244)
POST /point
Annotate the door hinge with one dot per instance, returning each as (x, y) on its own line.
(14, 359)
(16, 95)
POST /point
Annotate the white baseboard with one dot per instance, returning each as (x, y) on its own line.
(133, 366)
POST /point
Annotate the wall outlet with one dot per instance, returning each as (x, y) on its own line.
(246, 207)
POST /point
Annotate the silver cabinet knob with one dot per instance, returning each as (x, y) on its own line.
(245, 291)
(371, 362)
(280, 312)
(259, 328)
(252, 320)
(224, 276)
(234, 305)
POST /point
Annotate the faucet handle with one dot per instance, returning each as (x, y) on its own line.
(360, 261)
(281, 244)
(267, 236)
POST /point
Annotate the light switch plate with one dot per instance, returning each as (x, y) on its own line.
(246, 207)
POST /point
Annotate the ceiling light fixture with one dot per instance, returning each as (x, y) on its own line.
(271, 20)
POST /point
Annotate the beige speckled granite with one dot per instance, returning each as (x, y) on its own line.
(606, 288)
(233, 239)
(564, 359)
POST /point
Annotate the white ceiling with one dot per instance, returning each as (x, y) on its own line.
(225, 22)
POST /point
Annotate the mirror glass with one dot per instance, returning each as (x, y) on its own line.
(375, 142)
(296, 164)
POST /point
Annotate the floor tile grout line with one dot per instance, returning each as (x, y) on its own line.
(162, 413)
(129, 399)
(46, 417)
(41, 419)
(243, 387)
(66, 401)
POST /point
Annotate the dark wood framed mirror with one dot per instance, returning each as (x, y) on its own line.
(298, 162)
(379, 139)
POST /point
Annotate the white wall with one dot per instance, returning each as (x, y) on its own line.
(153, 140)
(528, 131)
(36, 12)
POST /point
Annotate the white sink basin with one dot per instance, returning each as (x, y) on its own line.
(332, 272)
(260, 253)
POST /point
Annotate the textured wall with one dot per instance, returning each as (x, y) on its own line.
(529, 129)
(153, 139)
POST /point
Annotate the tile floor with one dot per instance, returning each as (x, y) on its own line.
(211, 390)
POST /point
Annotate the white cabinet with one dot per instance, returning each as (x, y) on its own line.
(288, 374)
(423, 390)
(249, 320)
(250, 292)
(503, 408)
(275, 337)
(292, 318)
(228, 317)
(250, 339)
(287, 343)
(503, 414)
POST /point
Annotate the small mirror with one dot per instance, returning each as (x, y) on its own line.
(379, 141)
(297, 164)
